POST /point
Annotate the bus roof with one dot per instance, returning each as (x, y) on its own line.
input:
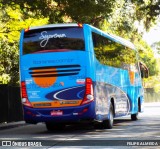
(115, 38)
(110, 36)
(124, 41)
(55, 25)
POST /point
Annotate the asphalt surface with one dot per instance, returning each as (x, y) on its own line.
(125, 133)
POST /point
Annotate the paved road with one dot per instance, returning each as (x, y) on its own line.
(124, 130)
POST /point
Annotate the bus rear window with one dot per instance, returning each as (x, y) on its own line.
(53, 40)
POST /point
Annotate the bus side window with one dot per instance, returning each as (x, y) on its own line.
(144, 70)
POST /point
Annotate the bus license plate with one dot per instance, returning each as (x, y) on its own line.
(56, 113)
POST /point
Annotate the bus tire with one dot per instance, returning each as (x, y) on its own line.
(134, 117)
(108, 124)
(53, 126)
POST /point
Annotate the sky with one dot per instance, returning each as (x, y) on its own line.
(153, 35)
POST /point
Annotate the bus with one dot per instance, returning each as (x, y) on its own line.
(71, 73)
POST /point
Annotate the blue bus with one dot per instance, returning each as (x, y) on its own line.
(73, 73)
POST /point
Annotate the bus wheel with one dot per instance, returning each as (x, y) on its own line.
(108, 124)
(52, 126)
(134, 117)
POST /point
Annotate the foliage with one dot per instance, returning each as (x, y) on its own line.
(88, 11)
(147, 11)
(152, 82)
(156, 46)
(8, 62)
(84, 11)
(11, 23)
(121, 21)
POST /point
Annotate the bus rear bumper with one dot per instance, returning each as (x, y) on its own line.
(60, 115)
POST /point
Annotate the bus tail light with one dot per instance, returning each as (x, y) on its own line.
(25, 100)
(88, 97)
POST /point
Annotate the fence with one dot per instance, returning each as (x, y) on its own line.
(151, 96)
(10, 104)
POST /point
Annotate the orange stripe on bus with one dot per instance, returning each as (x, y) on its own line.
(56, 104)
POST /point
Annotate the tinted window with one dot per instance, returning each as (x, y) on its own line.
(112, 53)
(53, 39)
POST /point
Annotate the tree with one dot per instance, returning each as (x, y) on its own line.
(11, 23)
(88, 11)
(147, 56)
(85, 11)
(156, 46)
(8, 62)
(147, 11)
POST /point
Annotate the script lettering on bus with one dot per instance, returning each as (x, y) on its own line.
(45, 37)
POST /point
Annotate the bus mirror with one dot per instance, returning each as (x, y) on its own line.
(144, 70)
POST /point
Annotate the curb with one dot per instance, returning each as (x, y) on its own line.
(155, 104)
(11, 125)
